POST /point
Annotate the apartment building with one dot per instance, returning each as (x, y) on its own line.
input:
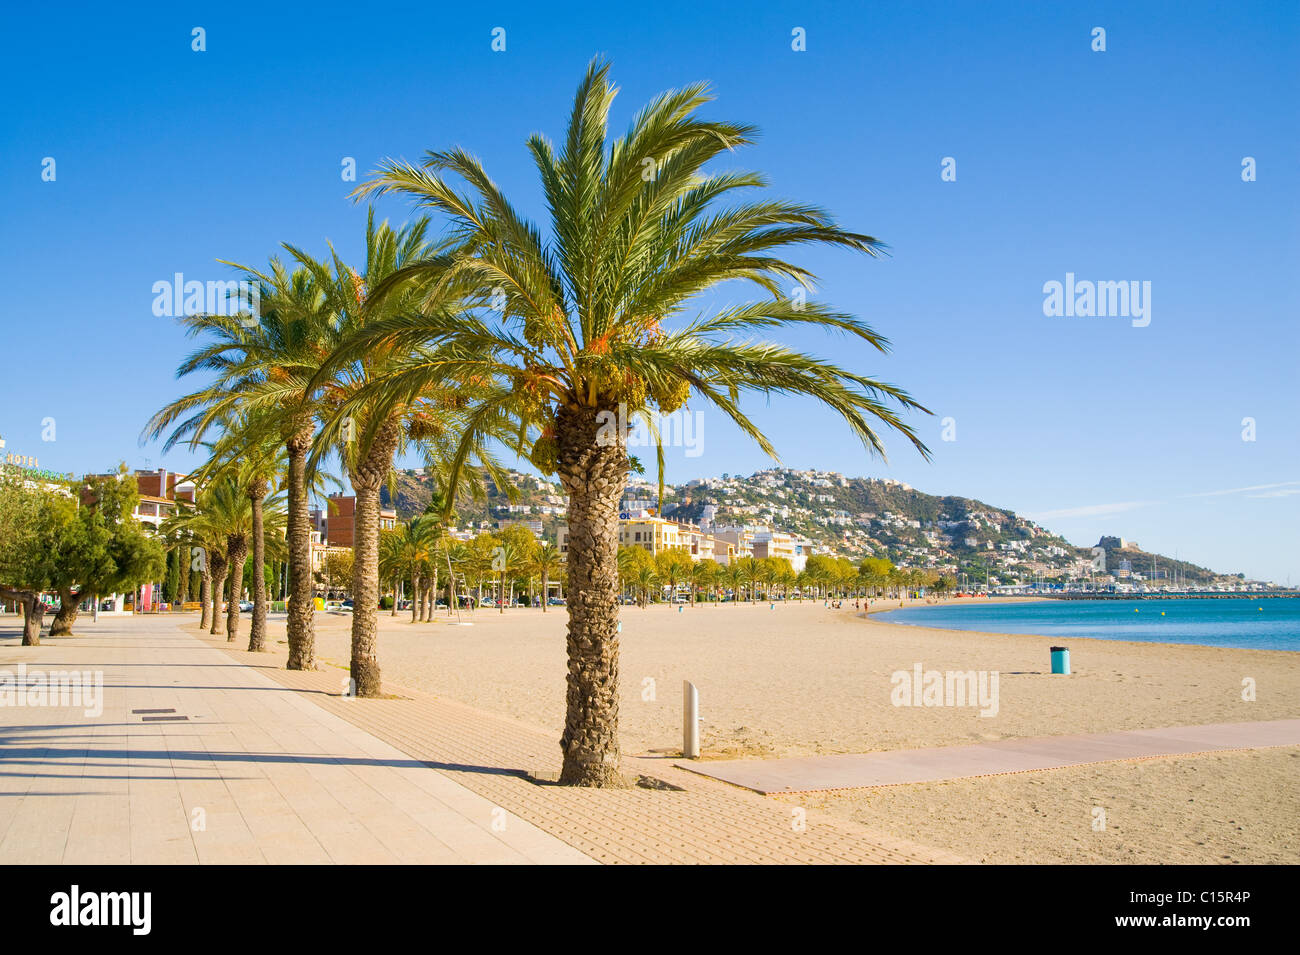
(337, 521)
(655, 534)
(161, 493)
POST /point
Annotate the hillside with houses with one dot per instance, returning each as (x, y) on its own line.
(853, 517)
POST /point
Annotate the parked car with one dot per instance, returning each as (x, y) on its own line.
(246, 606)
(555, 602)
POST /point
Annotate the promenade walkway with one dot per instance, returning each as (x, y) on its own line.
(857, 770)
(195, 758)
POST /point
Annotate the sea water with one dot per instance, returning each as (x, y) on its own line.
(1254, 623)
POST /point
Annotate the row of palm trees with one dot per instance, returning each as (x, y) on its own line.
(507, 337)
(422, 554)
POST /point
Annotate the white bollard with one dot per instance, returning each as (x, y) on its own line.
(690, 720)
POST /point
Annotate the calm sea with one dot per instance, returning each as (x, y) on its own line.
(1256, 624)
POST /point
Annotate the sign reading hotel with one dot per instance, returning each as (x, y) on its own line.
(29, 463)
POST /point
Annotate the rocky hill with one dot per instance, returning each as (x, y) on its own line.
(852, 516)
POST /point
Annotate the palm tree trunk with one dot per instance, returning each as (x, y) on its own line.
(366, 482)
(546, 591)
(594, 473)
(300, 628)
(218, 563)
(205, 596)
(257, 629)
(365, 663)
(237, 554)
(415, 597)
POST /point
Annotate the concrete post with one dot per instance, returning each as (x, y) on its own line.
(690, 720)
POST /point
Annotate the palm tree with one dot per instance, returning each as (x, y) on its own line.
(751, 571)
(266, 365)
(787, 578)
(457, 555)
(672, 566)
(253, 458)
(368, 427)
(261, 481)
(769, 572)
(208, 524)
(734, 574)
(545, 563)
(703, 574)
(195, 525)
(229, 513)
(636, 239)
(505, 562)
(646, 579)
(415, 541)
(392, 561)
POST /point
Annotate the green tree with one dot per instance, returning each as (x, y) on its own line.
(734, 574)
(631, 563)
(25, 517)
(673, 566)
(751, 572)
(99, 547)
(704, 576)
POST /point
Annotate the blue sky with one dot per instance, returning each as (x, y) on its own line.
(1116, 165)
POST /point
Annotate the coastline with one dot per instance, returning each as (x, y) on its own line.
(978, 601)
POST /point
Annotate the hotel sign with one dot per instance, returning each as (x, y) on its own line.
(28, 462)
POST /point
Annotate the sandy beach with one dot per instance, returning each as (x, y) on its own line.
(802, 679)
